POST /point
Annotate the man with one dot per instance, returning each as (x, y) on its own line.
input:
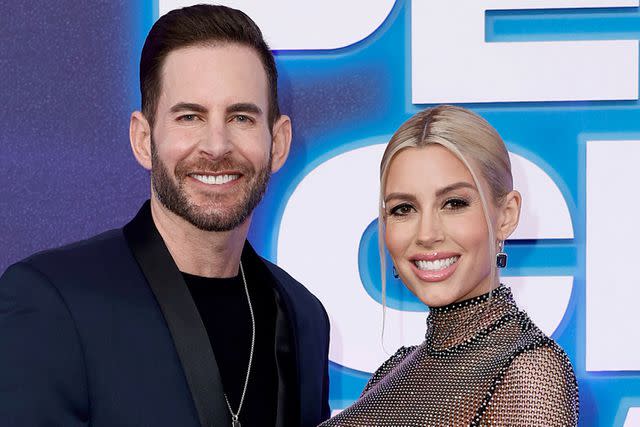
(174, 320)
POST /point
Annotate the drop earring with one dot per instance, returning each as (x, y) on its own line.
(501, 256)
(395, 272)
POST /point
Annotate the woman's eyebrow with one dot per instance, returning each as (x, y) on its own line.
(449, 188)
(401, 196)
(453, 187)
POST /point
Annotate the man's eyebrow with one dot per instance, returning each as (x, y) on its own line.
(453, 187)
(188, 106)
(244, 107)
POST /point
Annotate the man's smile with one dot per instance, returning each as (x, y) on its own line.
(215, 179)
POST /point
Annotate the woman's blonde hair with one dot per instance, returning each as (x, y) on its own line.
(472, 140)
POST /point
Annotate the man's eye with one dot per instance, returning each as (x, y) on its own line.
(455, 204)
(401, 210)
(188, 118)
(242, 118)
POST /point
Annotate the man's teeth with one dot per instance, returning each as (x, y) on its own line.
(438, 264)
(215, 179)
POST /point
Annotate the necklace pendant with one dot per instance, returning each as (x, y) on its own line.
(235, 423)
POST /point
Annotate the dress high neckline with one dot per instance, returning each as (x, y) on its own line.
(483, 363)
(456, 323)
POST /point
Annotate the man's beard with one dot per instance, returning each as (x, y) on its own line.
(216, 218)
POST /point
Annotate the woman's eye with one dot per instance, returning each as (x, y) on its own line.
(455, 204)
(401, 210)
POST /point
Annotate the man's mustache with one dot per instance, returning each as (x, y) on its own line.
(202, 165)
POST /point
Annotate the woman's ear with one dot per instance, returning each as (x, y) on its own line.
(509, 215)
(140, 139)
(281, 142)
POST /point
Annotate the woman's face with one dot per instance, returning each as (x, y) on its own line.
(436, 231)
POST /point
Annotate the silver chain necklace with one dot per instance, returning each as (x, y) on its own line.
(235, 422)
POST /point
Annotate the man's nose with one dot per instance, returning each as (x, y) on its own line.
(216, 143)
(430, 231)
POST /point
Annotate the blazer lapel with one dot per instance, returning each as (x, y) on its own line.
(288, 406)
(288, 403)
(308, 383)
(186, 327)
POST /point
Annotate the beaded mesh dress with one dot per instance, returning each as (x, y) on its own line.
(483, 363)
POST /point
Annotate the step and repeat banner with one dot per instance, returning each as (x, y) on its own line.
(557, 78)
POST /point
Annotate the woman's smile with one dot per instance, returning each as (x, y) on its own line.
(434, 267)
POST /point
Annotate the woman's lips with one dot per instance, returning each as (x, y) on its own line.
(434, 269)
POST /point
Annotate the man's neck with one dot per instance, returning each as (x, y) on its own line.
(199, 252)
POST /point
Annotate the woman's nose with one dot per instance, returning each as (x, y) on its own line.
(430, 230)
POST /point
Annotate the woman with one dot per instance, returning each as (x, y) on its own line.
(447, 204)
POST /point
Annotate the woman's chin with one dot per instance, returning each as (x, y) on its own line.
(435, 295)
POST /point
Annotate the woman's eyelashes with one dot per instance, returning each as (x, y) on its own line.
(401, 209)
(455, 203)
(450, 204)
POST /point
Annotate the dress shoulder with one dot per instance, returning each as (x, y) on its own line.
(537, 388)
(388, 366)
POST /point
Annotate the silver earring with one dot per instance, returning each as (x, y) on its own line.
(395, 272)
(501, 257)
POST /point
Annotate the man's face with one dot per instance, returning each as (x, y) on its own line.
(211, 142)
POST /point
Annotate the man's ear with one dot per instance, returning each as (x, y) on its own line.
(140, 138)
(281, 142)
(509, 215)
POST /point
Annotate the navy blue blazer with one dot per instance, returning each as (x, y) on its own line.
(85, 340)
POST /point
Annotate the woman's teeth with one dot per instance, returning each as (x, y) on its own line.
(438, 264)
(215, 179)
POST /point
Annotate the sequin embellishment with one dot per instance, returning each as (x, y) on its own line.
(483, 363)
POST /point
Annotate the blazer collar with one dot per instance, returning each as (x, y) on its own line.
(186, 327)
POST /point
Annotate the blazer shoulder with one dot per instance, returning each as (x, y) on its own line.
(104, 246)
(34, 317)
(95, 243)
(89, 267)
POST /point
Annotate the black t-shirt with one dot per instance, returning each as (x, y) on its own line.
(222, 304)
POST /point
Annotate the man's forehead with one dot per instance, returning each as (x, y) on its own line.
(221, 69)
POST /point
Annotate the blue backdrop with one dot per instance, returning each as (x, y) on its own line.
(69, 82)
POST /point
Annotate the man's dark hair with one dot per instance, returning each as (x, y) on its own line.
(201, 25)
